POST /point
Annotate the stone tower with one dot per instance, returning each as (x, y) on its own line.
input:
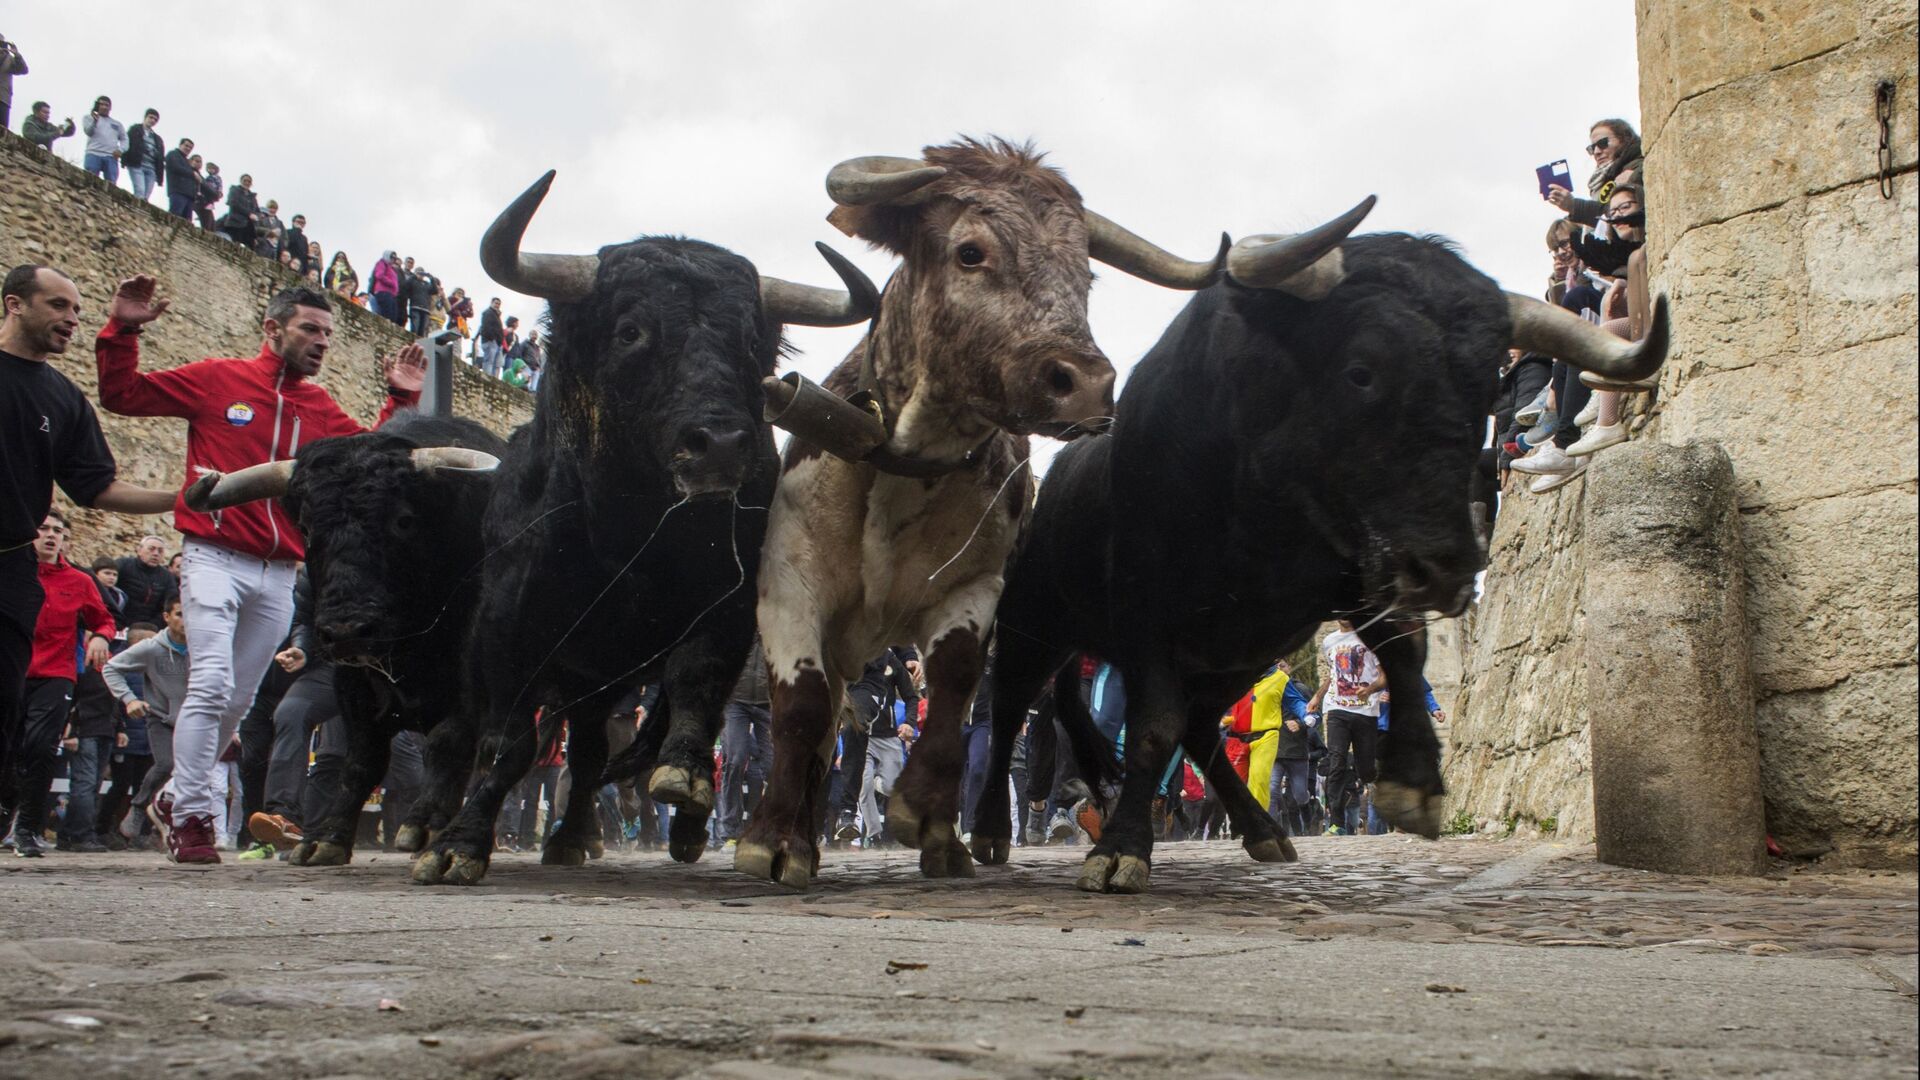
(1789, 253)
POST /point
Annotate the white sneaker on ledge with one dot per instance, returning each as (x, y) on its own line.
(1553, 481)
(1545, 461)
(1597, 438)
(1588, 415)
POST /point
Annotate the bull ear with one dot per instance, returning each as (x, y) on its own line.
(887, 227)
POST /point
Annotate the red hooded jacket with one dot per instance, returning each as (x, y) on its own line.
(238, 413)
(72, 599)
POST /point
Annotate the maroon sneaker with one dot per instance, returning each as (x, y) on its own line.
(192, 840)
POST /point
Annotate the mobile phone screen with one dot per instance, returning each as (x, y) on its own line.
(1554, 174)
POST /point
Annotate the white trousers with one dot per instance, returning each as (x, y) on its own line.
(237, 609)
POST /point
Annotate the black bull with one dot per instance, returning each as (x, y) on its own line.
(394, 558)
(1275, 461)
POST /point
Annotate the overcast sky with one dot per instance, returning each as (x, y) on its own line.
(411, 130)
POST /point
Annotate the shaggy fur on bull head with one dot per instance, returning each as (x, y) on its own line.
(674, 332)
(985, 323)
(389, 547)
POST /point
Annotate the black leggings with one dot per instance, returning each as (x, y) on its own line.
(1572, 395)
(1352, 739)
(48, 705)
(20, 600)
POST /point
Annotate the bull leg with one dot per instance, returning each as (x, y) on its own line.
(702, 671)
(449, 762)
(1019, 672)
(926, 801)
(576, 836)
(779, 841)
(364, 719)
(459, 856)
(1410, 792)
(1156, 718)
(1262, 837)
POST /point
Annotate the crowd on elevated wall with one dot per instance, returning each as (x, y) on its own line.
(193, 188)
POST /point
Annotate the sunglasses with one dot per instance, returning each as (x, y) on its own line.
(1598, 145)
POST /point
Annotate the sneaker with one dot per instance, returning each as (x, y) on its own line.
(191, 841)
(129, 827)
(274, 830)
(1554, 481)
(259, 852)
(1529, 414)
(1059, 827)
(89, 846)
(1588, 415)
(28, 846)
(1333, 830)
(1036, 836)
(1597, 438)
(847, 830)
(730, 844)
(160, 812)
(1087, 816)
(1547, 459)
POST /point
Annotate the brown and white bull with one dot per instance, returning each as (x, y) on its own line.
(981, 341)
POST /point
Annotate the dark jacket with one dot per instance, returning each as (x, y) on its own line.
(752, 689)
(295, 240)
(180, 177)
(209, 192)
(490, 329)
(884, 682)
(148, 589)
(417, 289)
(1607, 256)
(241, 206)
(144, 148)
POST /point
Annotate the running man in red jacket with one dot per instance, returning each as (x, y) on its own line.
(237, 584)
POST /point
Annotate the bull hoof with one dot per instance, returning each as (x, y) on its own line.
(557, 852)
(1409, 809)
(1131, 874)
(945, 860)
(1095, 873)
(677, 786)
(596, 848)
(326, 853)
(464, 869)
(1272, 849)
(990, 851)
(431, 867)
(411, 838)
(686, 851)
(905, 823)
(779, 864)
(302, 853)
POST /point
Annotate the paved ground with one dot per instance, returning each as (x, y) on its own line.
(1379, 956)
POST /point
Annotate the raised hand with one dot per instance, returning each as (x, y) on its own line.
(406, 369)
(133, 303)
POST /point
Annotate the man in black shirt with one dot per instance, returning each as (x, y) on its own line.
(887, 681)
(149, 585)
(48, 434)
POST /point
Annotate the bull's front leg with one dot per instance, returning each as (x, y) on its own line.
(926, 800)
(461, 854)
(1410, 793)
(1156, 720)
(702, 671)
(369, 732)
(779, 841)
(1262, 837)
(576, 836)
(449, 763)
(1019, 673)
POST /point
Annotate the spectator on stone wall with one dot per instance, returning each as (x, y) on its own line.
(340, 278)
(268, 230)
(294, 240)
(460, 311)
(1626, 217)
(39, 128)
(209, 194)
(145, 155)
(242, 207)
(183, 179)
(11, 64)
(1615, 149)
(383, 287)
(419, 287)
(106, 140)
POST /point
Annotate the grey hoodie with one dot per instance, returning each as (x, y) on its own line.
(162, 667)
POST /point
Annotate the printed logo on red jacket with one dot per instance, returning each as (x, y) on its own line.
(239, 414)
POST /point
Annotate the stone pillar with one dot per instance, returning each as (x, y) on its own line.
(1676, 762)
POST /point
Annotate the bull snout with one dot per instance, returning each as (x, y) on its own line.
(1082, 396)
(711, 461)
(347, 635)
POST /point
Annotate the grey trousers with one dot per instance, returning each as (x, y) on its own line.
(309, 703)
(885, 759)
(160, 741)
(744, 747)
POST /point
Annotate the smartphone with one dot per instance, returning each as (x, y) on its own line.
(1554, 174)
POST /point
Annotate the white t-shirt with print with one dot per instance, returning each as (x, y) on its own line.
(1350, 668)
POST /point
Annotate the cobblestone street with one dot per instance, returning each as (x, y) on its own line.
(1372, 956)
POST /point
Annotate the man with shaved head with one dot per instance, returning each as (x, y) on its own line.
(48, 434)
(147, 582)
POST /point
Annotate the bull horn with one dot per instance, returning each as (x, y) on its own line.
(1554, 331)
(1122, 250)
(872, 181)
(808, 305)
(1305, 265)
(454, 458)
(550, 277)
(216, 491)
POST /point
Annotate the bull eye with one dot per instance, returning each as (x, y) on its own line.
(1360, 377)
(972, 255)
(631, 334)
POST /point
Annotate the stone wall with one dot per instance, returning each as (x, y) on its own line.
(53, 213)
(1794, 286)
